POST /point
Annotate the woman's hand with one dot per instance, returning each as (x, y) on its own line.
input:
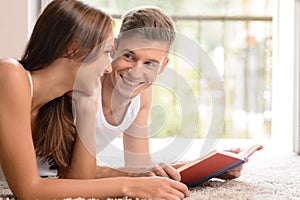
(83, 103)
(156, 188)
(162, 169)
(166, 170)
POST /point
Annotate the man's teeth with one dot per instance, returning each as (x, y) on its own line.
(129, 82)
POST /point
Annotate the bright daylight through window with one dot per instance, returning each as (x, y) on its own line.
(237, 36)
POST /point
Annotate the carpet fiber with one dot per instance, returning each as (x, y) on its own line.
(269, 175)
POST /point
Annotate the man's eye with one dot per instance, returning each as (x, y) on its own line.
(150, 64)
(128, 56)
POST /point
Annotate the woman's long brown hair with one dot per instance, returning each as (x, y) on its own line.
(60, 24)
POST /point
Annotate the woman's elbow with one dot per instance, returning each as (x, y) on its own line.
(28, 190)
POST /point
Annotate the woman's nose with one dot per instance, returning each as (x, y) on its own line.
(108, 69)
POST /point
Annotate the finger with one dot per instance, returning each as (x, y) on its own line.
(233, 175)
(180, 187)
(160, 172)
(234, 150)
(230, 174)
(237, 168)
(170, 171)
(171, 194)
(177, 165)
(175, 194)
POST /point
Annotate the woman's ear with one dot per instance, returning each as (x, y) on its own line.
(72, 48)
(163, 66)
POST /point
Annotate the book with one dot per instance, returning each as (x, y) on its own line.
(213, 164)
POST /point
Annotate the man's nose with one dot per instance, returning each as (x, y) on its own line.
(137, 68)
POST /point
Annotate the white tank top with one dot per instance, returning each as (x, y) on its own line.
(106, 132)
(43, 168)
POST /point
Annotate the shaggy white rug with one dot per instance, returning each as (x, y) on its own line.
(269, 175)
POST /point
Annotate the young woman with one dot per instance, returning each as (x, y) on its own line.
(67, 53)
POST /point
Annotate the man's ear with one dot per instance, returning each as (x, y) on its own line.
(163, 66)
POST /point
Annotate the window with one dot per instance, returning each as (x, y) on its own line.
(237, 36)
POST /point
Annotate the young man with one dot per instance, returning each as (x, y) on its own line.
(140, 53)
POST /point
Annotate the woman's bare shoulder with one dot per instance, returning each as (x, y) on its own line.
(12, 76)
(10, 68)
(6, 63)
(9, 62)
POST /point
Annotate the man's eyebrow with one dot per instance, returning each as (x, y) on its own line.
(132, 52)
(128, 50)
(153, 60)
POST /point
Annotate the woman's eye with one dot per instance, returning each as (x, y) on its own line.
(107, 52)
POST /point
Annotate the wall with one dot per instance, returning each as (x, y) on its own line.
(283, 74)
(16, 21)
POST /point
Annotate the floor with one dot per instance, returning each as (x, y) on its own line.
(272, 173)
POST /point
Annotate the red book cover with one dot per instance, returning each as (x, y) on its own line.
(212, 165)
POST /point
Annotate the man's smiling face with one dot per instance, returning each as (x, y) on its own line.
(136, 64)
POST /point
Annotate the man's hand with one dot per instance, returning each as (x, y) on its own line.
(234, 172)
(162, 169)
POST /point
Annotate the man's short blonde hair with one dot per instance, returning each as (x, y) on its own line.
(150, 23)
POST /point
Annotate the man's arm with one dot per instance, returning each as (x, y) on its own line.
(135, 138)
(136, 144)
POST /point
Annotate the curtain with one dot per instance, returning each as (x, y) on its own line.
(297, 82)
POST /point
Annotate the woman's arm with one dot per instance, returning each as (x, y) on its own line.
(18, 161)
(83, 163)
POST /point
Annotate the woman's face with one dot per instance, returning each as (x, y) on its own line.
(88, 75)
